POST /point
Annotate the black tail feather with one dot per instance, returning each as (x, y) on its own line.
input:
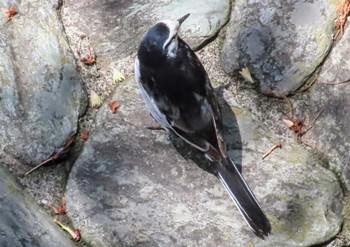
(243, 198)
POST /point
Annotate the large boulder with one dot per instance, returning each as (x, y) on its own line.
(282, 43)
(41, 94)
(22, 222)
(331, 132)
(136, 187)
(115, 28)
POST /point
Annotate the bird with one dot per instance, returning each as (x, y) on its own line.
(179, 96)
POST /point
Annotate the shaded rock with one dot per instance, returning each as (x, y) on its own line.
(282, 43)
(130, 187)
(22, 222)
(331, 132)
(41, 94)
(115, 28)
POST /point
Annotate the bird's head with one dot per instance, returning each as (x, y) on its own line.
(161, 40)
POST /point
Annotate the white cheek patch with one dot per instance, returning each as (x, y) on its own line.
(172, 48)
(173, 28)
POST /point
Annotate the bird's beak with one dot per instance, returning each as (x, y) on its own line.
(182, 19)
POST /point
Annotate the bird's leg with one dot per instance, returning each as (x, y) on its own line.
(156, 127)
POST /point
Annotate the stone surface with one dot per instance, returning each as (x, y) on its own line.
(115, 28)
(41, 95)
(331, 133)
(282, 43)
(136, 187)
(22, 222)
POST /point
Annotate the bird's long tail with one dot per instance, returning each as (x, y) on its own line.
(243, 198)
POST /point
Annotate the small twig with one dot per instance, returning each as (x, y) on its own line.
(335, 83)
(306, 143)
(291, 113)
(336, 35)
(278, 145)
(158, 127)
(54, 155)
(313, 122)
(307, 87)
(75, 234)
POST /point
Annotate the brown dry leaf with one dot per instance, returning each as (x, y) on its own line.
(61, 208)
(343, 12)
(295, 124)
(85, 135)
(10, 12)
(114, 106)
(90, 59)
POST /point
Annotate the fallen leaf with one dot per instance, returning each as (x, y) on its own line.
(61, 208)
(113, 105)
(90, 59)
(288, 123)
(295, 124)
(95, 100)
(10, 12)
(85, 135)
(343, 12)
(245, 73)
(118, 76)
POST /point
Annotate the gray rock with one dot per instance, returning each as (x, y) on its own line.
(282, 43)
(22, 222)
(131, 187)
(330, 133)
(115, 28)
(41, 95)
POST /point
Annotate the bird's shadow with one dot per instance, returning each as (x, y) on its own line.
(231, 136)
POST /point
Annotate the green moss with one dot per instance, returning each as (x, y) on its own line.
(299, 156)
(228, 235)
(64, 59)
(250, 244)
(4, 80)
(12, 188)
(239, 112)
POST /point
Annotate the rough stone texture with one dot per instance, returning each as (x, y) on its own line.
(130, 187)
(113, 30)
(22, 222)
(331, 133)
(41, 94)
(281, 42)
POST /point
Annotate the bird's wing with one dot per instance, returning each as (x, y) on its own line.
(151, 105)
(173, 123)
